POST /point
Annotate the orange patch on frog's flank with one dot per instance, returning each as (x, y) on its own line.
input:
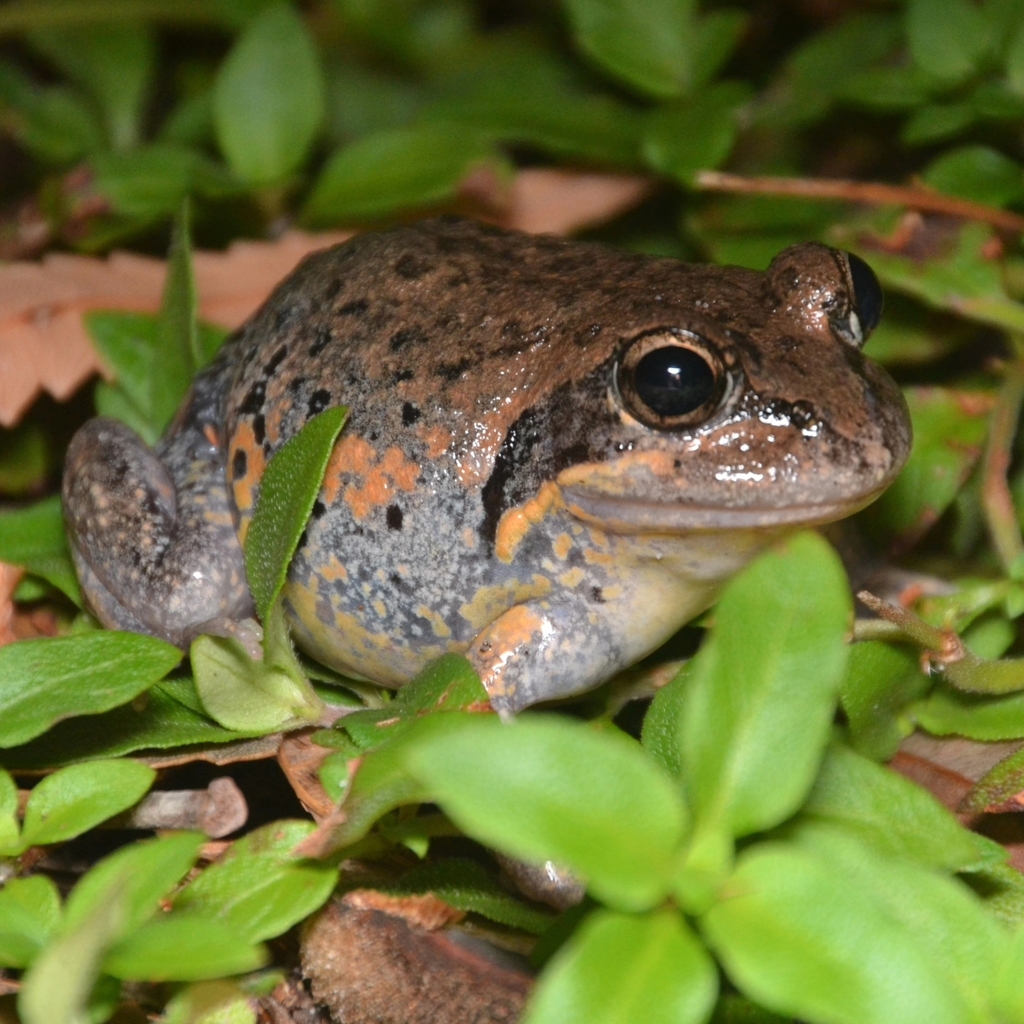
(517, 628)
(562, 546)
(334, 570)
(211, 435)
(255, 462)
(379, 478)
(516, 522)
(437, 440)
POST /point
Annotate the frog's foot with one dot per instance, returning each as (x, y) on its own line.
(541, 651)
(152, 536)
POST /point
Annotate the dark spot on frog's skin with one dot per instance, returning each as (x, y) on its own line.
(575, 557)
(259, 428)
(515, 449)
(253, 401)
(677, 463)
(331, 291)
(394, 517)
(323, 339)
(402, 375)
(239, 463)
(318, 401)
(458, 280)
(411, 267)
(275, 361)
(596, 595)
(283, 316)
(410, 414)
(407, 336)
(355, 308)
(297, 383)
(570, 456)
(451, 372)
(319, 508)
(302, 539)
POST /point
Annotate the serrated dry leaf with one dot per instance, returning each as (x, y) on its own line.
(43, 344)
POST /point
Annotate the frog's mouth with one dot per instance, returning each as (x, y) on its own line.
(628, 515)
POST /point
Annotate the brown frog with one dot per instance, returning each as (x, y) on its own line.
(556, 452)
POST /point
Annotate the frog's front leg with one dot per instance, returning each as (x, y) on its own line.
(151, 532)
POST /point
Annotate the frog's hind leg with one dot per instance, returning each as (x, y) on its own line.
(151, 532)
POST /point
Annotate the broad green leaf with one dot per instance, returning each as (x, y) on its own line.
(44, 681)
(548, 789)
(627, 968)
(999, 785)
(797, 936)
(979, 173)
(946, 712)
(881, 682)
(695, 134)
(114, 62)
(210, 1002)
(259, 889)
(288, 490)
(9, 830)
(139, 876)
(402, 169)
(466, 885)
(34, 538)
(74, 800)
(950, 428)
(268, 100)
(57, 987)
(891, 815)
(762, 690)
(29, 915)
(156, 720)
(660, 735)
(182, 947)
(937, 121)
(948, 38)
(648, 45)
(717, 35)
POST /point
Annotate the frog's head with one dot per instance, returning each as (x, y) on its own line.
(752, 406)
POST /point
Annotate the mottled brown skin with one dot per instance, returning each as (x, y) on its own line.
(498, 490)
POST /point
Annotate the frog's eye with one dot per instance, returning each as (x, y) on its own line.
(867, 295)
(669, 380)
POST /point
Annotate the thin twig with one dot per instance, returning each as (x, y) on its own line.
(996, 498)
(868, 192)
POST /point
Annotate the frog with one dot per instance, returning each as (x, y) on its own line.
(556, 454)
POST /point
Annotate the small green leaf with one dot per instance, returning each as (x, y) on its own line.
(114, 62)
(626, 968)
(797, 936)
(185, 947)
(762, 690)
(34, 538)
(74, 800)
(979, 173)
(268, 100)
(9, 831)
(402, 169)
(44, 681)
(448, 684)
(948, 38)
(139, 876)
(548, 789)
(947, 712)
(999, 785)
(288, 490)
(892, 815)
(648, 44)
(29, 915)
(937, 121)
(717, 35)
(660, 736)
(258, 888)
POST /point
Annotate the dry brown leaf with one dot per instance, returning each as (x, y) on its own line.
(43, 344)
(300, 760)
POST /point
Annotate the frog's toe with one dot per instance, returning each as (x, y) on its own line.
(152, 556)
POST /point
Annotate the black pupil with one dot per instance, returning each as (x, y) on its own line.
(673, 381)
(867, 293)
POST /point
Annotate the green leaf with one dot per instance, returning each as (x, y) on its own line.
(210, 1002)
(717, 35)
(74, 800)
(979, 173)
(396, 170)
(950, 428)
(268, 99)
(258, 889)
(545, 788)
(44, 681)
(185, 947)
(288, 490)
(936, 122)
(795, 935)
(882, 681)
(139, 876)
(660, 736)
(647, 44)
(626, 968)
(947, 38)
(156, 720)
(761, 692)
(891, 815)
(29, 915)
(114, 62)
(9, 829)
(999, 785)
(695, 134)
(34, 538)
(946, 712)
